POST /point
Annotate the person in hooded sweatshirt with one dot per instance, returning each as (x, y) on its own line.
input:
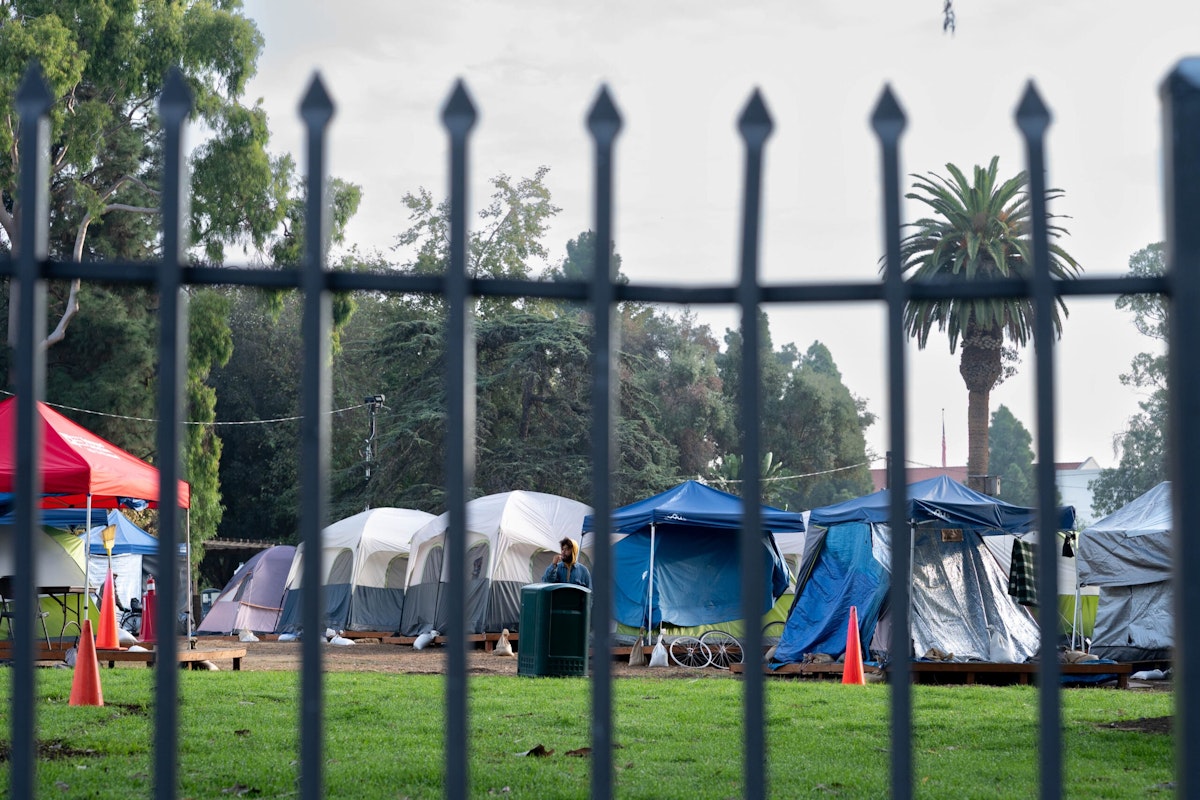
(566, 567)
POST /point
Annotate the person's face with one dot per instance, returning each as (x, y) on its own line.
(566, 551)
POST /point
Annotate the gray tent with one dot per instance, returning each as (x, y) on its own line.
(1128, 555)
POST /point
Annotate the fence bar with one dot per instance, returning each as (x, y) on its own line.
(459, 118)
(1033, 118)
(888, 121)
(755, 126)
(33, 106)
(316, 110)
(604, 122)
(174, 108)
(1181, 150)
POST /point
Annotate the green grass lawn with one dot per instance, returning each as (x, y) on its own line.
(676, 738)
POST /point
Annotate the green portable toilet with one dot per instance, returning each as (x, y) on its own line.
(554, 629)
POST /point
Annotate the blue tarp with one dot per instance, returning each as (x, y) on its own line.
(696, 561)
(943, 500)
(62, 518)
(959, 594)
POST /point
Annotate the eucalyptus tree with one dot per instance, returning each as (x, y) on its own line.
(105, 62)
(979, 230)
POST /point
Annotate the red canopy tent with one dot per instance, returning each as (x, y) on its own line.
(81, 470)
(78, 466)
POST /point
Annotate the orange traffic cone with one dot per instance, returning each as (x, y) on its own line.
(852, 672)
(106, 635)
(149, 609)
(85, 686)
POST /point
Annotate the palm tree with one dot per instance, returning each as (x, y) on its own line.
(980, 231)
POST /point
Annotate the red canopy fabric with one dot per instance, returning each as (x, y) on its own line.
(77, 463)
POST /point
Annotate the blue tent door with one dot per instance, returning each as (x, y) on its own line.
(696, 578)
(845, 574)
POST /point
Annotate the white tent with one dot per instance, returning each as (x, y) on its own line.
(364, 563)
(511, 539)
(1128, 556)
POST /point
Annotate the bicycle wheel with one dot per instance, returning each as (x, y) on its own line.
(772, 631)
(724, 648)
(690, 652)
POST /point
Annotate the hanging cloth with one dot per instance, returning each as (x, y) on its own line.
(1022, 583)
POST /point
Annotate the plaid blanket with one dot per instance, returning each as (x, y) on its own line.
(1022, 583)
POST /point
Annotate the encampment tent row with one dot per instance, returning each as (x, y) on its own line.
(960, 596)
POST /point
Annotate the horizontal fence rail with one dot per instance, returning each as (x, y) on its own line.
(29, 269)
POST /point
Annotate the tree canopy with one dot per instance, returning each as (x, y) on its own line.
(1012, 458)
(980, 230)
(105, 62)
(1143, 443)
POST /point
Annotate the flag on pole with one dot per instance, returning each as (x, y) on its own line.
(943, 438)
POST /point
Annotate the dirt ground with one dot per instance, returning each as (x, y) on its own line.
(366, 657)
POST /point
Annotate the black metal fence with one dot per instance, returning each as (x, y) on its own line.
(29, 269)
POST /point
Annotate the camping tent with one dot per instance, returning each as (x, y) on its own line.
(676, 557)
(1128, 556)
(130, 545)
(960, 599)
(57, 556)
(511, 539)
(253, 598)
(364, 565)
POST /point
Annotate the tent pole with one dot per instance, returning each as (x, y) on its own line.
(1077, 616)
(188, 574)
(650, 597)
(87, 559)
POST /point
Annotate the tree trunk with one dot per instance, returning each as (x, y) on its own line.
(980, 367)
(977, 439)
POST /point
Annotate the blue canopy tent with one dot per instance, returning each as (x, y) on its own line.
(134, 555)
(960, 599)
(676, 557)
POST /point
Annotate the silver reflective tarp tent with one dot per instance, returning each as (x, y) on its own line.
(1128, 556)
(960, 598)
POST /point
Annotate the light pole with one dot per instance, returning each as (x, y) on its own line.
(374, 402)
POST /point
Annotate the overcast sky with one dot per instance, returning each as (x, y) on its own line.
(680, 72)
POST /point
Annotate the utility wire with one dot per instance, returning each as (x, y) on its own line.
(189, 422)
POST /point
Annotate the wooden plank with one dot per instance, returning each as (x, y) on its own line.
(970, 671)
(148, 657)
(822, 670)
